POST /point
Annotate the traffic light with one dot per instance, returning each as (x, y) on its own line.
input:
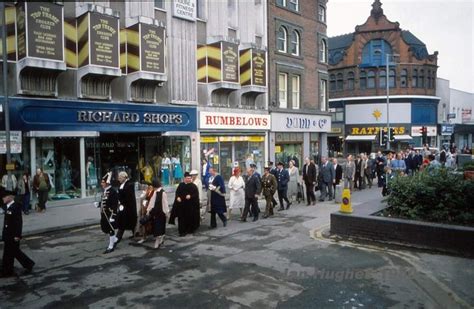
(424, 135)
(392, 134)
(383, 138)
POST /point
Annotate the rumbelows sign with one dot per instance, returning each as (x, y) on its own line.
(124, 117)
(209, 120)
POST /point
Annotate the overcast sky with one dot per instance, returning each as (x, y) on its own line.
(444, 26)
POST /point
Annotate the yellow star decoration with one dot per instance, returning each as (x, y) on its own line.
(377, 114)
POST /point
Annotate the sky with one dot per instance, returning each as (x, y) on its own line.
(444, 26)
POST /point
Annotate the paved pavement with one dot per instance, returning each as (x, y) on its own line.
(271, 263)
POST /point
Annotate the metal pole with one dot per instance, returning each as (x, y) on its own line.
(6, 112)
(388, 99)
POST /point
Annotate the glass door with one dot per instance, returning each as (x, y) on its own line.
(226, 160)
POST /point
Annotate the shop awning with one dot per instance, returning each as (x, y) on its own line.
(360, 137)
(403, 137)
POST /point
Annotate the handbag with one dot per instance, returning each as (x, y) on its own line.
(145, 219)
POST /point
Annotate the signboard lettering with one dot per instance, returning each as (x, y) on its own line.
(104, 40)
(375, 130)
(44, 30)
(210, 120)
(126, 117)
(258, 68)
(15, 142)
(152, 48)
(230, 62)
(185, 9)
(300, 123)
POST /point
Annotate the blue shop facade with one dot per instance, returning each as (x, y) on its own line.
(77, 142)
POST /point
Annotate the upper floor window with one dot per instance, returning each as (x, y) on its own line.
(295, 43)
(414, 79)
(323, 87)
(283, 90)
(391, 79)
(293, 4)
(421, 79)
(281, 39)
(382, 79)
(374, 53)
(295, 91)
(323, 51)
(404, 78)
(322, 14)
(350, 81)
(332, 82)
(337, 114)
(160, 4)
(281, 2)
(363, 80)
(339, 82)
(371, 79)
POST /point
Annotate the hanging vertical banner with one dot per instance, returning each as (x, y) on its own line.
(214, 59)
(246, 67)
(104, 40)
(70, 41)
(230, 62)
(152, 49)
(259, 72)
(133, 48)
(40, 30)
(202, 63)
(10, 16)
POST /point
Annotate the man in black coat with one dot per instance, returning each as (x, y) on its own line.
(309, 178)
(253, 187)
(337, 175)
(108, 211)
(127, 210)
(12, 228)
(326, 173)
(283, 177)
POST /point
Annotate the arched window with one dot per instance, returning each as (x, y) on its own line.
(332, 82)
(428, 79)
(363, 80)
(350, 81)
(340, 82)
(295, 43)
(374, 53)
(382, 79)
(323, 51)
(421, 79)
(371, 79)
(414, 79)
(392, 79)
(281, 39)
(403, 78)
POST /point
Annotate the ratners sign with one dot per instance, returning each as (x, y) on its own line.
(300, 123)
(209, 120)
(36, 115)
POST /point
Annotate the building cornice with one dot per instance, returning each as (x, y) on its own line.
(383, 97)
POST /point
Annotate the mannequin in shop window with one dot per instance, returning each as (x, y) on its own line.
(141, 167)
(65, 174)
(165, 169)
(147, 172)
(177, 169)
(91, 174)
(157, 165)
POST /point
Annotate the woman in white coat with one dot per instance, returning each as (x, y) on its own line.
(237, 193)
(293, 183)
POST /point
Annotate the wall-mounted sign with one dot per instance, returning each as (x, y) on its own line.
(40, 30)
(152, 49)
(300, 123)
(466, 115)
(375, 129)
(431, 130)
(336, 130)
(252, 67)
(15, 142)
(377, 113)
(452, 116)
(230, 62)
(210, 120)
(447, 129)
(185, 9)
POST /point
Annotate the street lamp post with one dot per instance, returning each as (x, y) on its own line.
(387, 86)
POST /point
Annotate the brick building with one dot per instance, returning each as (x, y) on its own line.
(358, 80)
(298, 79)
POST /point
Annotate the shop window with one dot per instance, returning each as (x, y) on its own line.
(339, 81)
(281, 39)
(283, 90)
(295, 43)
(382, 79)
(363, 80)
(322, 14)
(371, 80)
(350, 81)
(323, 88)
(403, 78)
(295, 91)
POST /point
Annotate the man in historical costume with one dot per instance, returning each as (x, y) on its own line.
(218, 206)
(269, 186)
(309, 178)
(253, 188)
(186, 207)
(283, 177)
(108, 211)
(158, 211)
(273, 171)
(197, 181)
(127, 208)
(12, 227)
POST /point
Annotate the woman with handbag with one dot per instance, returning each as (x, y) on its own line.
(157, 211)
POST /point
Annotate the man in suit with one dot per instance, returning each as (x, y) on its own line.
(127, 209)
(253, 188)
(349, 173)
(11, 236)
(337, 175)
(283, 177)
(327, 179)
(309, 178)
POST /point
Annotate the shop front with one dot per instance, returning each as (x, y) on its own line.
(229, 140)
(367, 138)
(77, 142)
(296, 136)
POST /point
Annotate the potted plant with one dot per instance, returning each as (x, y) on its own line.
(468, 168)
